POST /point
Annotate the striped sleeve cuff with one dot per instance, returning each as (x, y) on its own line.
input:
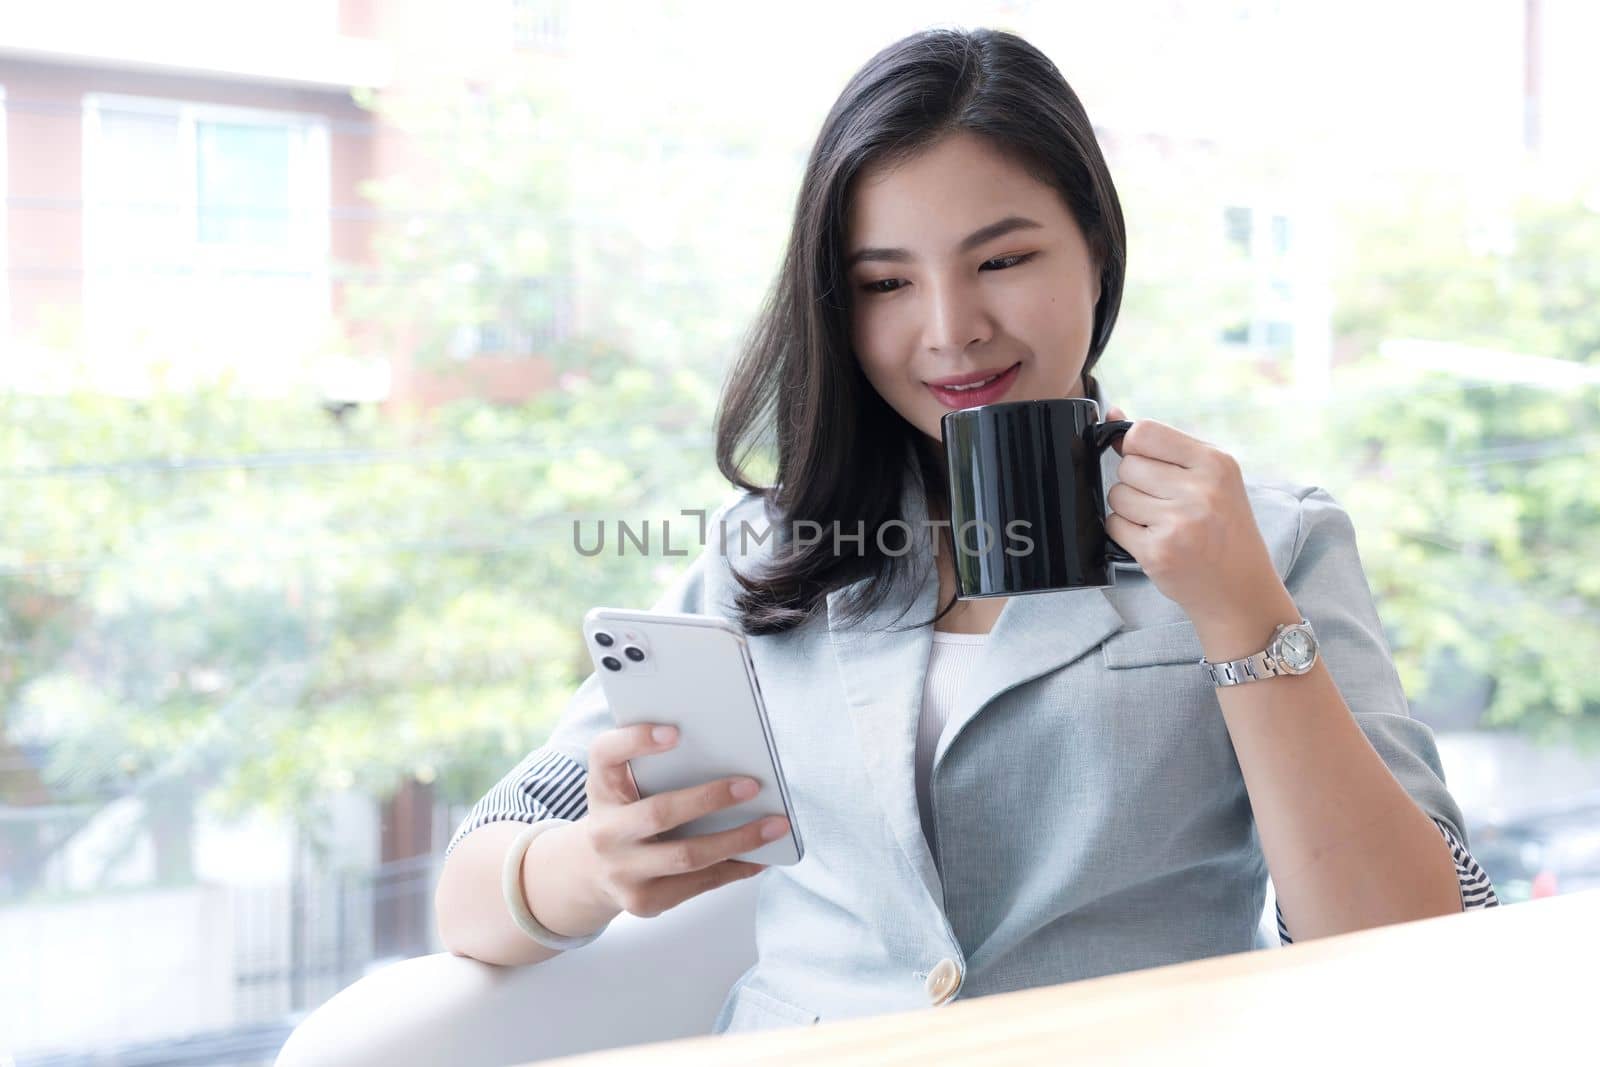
(1476, 890)
(545, 785)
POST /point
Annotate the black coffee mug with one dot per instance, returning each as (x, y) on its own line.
(1027, 501)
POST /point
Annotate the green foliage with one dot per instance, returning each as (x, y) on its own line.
(476, 227)
(382, 602)
(1476, 498)
(1471, 487)
(269, 602)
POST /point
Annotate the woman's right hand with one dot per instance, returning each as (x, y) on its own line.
(631, 869)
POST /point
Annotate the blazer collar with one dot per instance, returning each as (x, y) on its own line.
(883, 669)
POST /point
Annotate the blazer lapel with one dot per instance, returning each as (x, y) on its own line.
(883, 672)
(1034, 634)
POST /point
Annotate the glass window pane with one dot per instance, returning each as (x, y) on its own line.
(134, 180)
(1236, 227)
(243, 191)
(1280, 235)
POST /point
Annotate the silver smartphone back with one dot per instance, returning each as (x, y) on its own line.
(694, 672)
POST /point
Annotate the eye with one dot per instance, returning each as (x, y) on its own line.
(1007, 261)
(999, 263)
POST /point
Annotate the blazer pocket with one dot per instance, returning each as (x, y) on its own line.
(1170, 642)
(755, 1010)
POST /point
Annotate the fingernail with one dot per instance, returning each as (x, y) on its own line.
(662, 734)
(773, 828)
(745, 788)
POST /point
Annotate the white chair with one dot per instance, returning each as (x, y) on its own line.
(643, 980)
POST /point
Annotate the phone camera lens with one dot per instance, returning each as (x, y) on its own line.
(611, 663)
(634, 653)
(603, 639)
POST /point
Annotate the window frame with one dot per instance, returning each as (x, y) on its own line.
(309, 248)
(1268, 269)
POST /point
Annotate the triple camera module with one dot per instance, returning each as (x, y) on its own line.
(612, 663)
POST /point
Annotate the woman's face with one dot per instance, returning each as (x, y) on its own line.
(961, 265)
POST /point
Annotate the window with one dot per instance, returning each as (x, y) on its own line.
(1280, 235)
(203, 224)
(522, 317)
(242, 187)
(537, 25)
(1236, 224)
(1265, 241)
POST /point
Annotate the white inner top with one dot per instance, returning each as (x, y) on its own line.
(952, 659)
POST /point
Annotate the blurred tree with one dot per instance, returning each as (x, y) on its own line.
(208, 591)
(359, 604)
(1473, 485)
(1470, 484)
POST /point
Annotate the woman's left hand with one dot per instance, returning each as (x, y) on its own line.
(1180, 508)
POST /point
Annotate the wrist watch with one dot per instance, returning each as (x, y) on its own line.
(1292, 649)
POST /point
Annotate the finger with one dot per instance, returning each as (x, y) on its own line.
(1135, 504)
(1116, 415)
(1157, 440)
(679, 888)
(663, 859)
(1130, 535)
(666, 811)
(610, 779)
(1156, 477)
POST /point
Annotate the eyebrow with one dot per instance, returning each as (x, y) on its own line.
(968, 243)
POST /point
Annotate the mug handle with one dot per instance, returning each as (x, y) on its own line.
(1101, 437)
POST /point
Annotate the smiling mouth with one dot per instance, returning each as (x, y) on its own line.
(976, 394)
(971, 387)
(975, 387)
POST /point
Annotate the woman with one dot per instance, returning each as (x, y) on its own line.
(994, 794)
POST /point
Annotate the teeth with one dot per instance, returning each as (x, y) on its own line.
(974, 385)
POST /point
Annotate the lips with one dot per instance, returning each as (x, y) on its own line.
(994, 386)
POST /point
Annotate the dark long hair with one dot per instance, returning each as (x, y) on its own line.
(843, 453)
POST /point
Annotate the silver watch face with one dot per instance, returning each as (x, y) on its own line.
(1297, 648)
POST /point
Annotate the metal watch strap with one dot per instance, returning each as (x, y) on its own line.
(1238, 671)
(1251, 668)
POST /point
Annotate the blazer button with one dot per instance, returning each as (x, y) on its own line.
(943, 981)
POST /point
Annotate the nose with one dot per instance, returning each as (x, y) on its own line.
(956, 319)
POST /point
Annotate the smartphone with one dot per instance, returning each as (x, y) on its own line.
(694, 672)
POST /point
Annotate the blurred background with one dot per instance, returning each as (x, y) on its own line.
(323, 321)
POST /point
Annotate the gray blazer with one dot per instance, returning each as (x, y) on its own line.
(1089, 810)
